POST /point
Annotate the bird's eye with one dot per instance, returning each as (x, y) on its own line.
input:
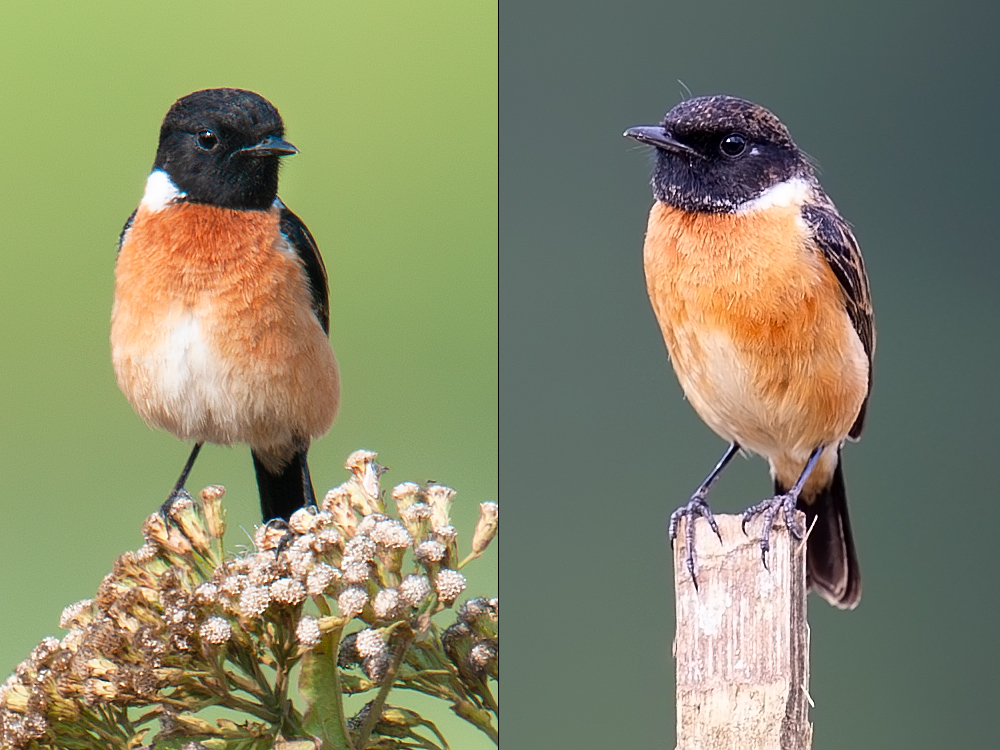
(733, 145)
(207, 139)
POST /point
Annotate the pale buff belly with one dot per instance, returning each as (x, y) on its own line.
(179, 372)
(775, 402)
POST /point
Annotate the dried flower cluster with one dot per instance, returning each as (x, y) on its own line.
(178, 626)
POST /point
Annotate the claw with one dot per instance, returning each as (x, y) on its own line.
(769, 509)
(696, 506)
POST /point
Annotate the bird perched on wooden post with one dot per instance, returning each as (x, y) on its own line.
(221, 310)
(761, 294)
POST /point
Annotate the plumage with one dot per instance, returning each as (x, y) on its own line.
(221, 311)
(761, 295)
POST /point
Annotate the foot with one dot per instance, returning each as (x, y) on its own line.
(696, 506)
(769, 509)
(277, 536)
(175, 495)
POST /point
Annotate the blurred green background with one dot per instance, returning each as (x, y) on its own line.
(394, 109)
(897, 102)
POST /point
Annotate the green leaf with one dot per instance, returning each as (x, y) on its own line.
(319, 682)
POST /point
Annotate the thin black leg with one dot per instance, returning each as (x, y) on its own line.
(785, 503)
(187, 469)
(307, 485)
(179, 486)
(698, 506)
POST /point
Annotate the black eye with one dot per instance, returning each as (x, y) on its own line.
(733, 145)
(207, 139)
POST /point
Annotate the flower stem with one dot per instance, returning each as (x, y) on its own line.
(375, 710)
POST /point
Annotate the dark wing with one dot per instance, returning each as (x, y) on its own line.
(304, 245)
(836, 241)
(128, 225)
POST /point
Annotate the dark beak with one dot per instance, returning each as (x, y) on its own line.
(270, 146)
(659, 137)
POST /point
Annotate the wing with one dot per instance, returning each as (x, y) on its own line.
(841, 252)
(304, 245)
(128, 225)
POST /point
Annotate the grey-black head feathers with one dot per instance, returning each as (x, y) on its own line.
(222, 147)
(717, 154)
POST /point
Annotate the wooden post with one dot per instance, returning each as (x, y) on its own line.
(742, 641)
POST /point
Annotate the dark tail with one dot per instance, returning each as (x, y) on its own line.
(284, 491)
(831, 562)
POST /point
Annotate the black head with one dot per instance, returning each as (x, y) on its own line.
(221, 146)
(716, 153)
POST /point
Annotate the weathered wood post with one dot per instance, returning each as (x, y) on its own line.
(742, 641)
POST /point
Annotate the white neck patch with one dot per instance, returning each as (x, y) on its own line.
(160, 191)
(792, 192)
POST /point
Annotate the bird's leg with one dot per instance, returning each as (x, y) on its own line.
(785, 503)
(307, 485)
(179, 486)
(698, 506)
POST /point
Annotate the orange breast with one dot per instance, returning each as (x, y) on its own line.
(756, 328)
(212, 333)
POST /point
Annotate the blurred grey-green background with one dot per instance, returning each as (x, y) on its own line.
(394, 109)
(899, 103)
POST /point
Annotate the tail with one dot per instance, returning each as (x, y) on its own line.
(831, 562)
(283, 490)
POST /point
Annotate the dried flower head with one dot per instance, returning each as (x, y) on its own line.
(486, 527)
(482, 655)
(206, 593)
(233, 585)
(430, 551)
(387, 603)
(211, 503)
(352, 601)
(307, 633)
(325, 540)
(366, 473)
(178, 626)
(392, 540)
(406, 494)
(187, 516)
(356, 571)
(416, 513)
(254, 600)
(360, 547)
(370, 643)
(269, 537)
(338, 504)
(167, 538)
(368, 523)
(288, 591)
(263, 568)
(445, 534)
(440, 499)
(215, 631)
(391, 534)
(302, 521)
(478, 612)
(320, 577)
(77, 615)
(414, 589)
(449, 584)
(300, 561)
(375, 667)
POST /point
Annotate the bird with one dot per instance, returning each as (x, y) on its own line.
(221, 314)
(761, 294)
